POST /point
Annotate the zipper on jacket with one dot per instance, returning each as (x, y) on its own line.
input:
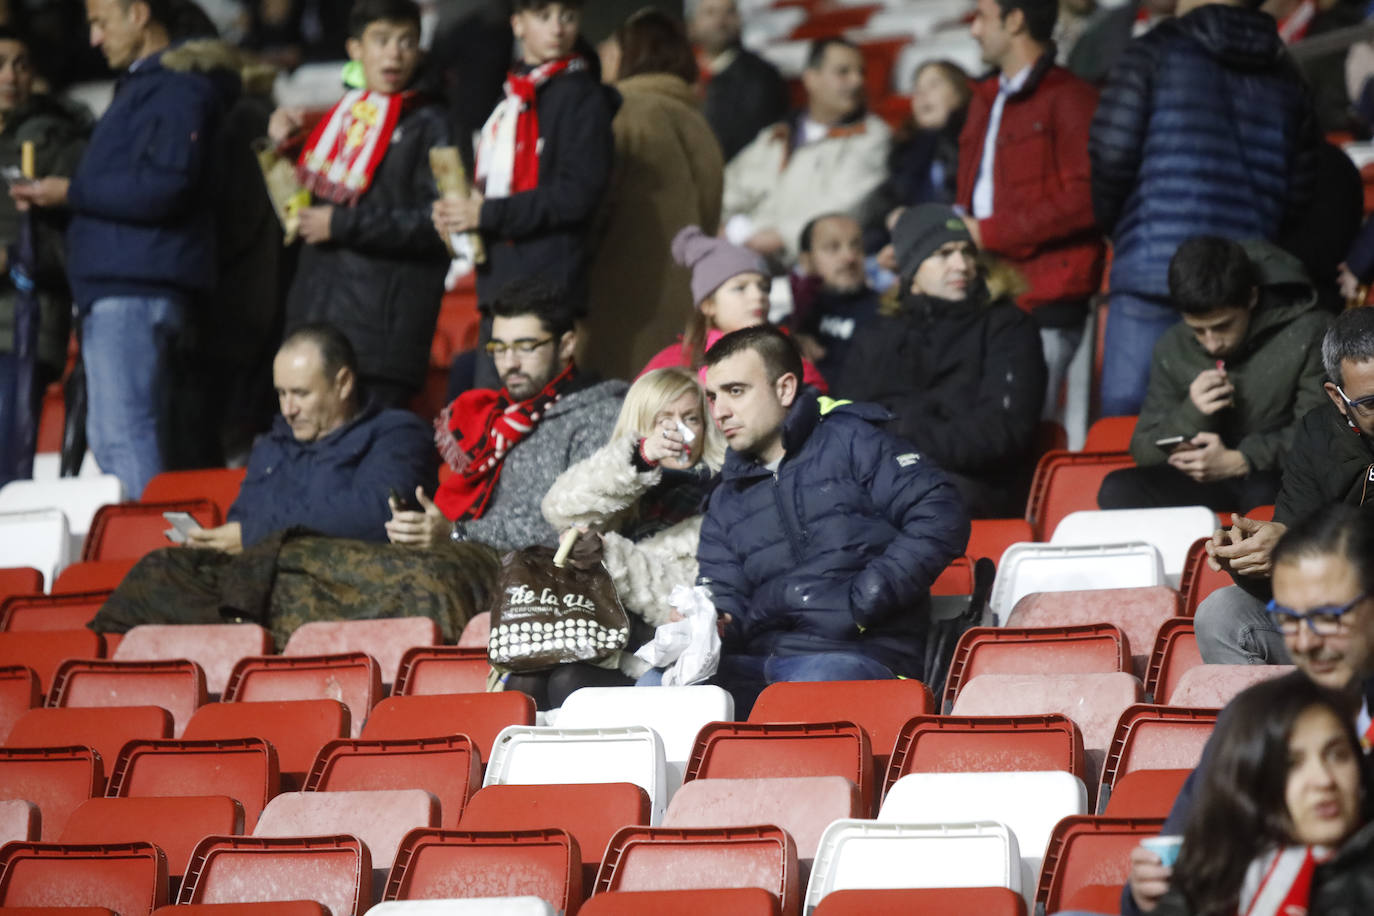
(793, 539)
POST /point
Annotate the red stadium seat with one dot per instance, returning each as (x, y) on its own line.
(986, 744)
(1086, 850)
(449, 768)
(990, 537)
(1139, 612)
(92, 576)
(1066, 482)
(385, 639)
(1036, 650)
(737, 901)
(44, 650)
(1198, 579)
(954, 579)
(274, 908)
(480, 716)
(127, 531)
(245, 769)
(296, 728)
(928, 901)
(333, 870)
(476, 631)
(129, 878)
(20, 580)
(1175, 652)
(64, 611)
(220, 485)
(175, 825)
(176, 686)
(20, 821)
(1156, 738)
(19, 693)
(106, 730)
(458, 864)
(1145, 793)
(429, 670)
(353, 678)
(56, 779)
(1110, 434)
(217, 648)
(1214, 686)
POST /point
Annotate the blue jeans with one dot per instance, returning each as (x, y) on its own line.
(126, 344)
(1134, 325)
(745, 676)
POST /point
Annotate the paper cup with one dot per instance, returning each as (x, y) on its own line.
(1166, 847)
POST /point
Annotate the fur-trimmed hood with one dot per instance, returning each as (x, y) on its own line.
(218, 59)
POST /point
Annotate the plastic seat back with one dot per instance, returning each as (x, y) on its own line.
(386, 639)
(19, 692)
(333, 870)
(217, 648)
(986, 744)
(20, 580)
(296, 728)
(744, 750)
(174, 825)
(64, 611)
(129, 878)
(1145, 793)
(457, 864)
(737, 901)
(476, 631)
(1067, 482)
(448, 768)
(219, 485)
(429, 670)
(880, 708)
(1149, 737)
(106, 729)
(590, 813)
(176, 686)
(1087, 851)
(352, 678)
(275, 908)
(1171, 530)
(20, 821)
(954, 579)
(56, 779)
(478, 906)
(990, 537)
(1110, 434)
(1216, 685)
(92, 576)
(77, 497)
(479, 716)
(40, 538)
(1099, 647)
(667, 858)
(1137, 612)
(128, 531)
(1175, 651)
(928, 901)
(244, 769)
(1200, 580)
(44, 650)
(1030, 568)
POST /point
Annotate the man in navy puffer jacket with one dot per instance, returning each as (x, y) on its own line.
(820, 543)
(1205, 127)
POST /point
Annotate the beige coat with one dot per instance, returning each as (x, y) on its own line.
(667, 174)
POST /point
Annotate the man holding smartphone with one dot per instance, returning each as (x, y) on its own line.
(1228, 384)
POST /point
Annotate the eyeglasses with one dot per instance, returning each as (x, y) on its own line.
(1324, 621)
(524, 347)
(1364, 407)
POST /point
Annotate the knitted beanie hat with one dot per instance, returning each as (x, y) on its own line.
(921, 230)
(712, 261)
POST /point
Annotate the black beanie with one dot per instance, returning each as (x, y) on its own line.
(921, 230)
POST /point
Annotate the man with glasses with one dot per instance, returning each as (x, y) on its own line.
(506, 447)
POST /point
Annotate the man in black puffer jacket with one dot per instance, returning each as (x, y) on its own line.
(962, 371)
(821, 542)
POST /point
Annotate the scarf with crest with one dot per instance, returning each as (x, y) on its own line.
(508, 147)
(1279, 882)
(345, 149)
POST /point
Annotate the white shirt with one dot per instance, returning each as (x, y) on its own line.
(982, 188)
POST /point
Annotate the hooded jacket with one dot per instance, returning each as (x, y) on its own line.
(1277, 372)
(836, 550)
(141, 198)
(1205, 127)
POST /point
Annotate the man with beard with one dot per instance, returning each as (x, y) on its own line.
(960, 367)
(834, 300)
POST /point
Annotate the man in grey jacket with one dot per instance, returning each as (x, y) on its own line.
(506, 447)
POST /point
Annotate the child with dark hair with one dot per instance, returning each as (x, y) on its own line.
(372, 263)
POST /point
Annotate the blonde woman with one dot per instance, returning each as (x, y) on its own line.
(642, 493)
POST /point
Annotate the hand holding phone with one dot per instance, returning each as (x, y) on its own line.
(1175, 443)
(183, 526)
(401, 503)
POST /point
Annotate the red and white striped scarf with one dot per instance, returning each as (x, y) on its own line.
(1279, 882)
(346, 147)
(508, 147)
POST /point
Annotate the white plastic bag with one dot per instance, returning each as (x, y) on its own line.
(690, 645)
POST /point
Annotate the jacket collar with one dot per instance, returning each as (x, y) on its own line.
(282, 430)
(1037, 73)
(801, 421)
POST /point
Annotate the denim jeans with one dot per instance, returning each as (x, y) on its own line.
(745, 676)
(1233, 629)
(126, 344)
(1134, 325)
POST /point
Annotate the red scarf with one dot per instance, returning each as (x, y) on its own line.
(476, 432)
(1279, 882)
(508, 148)
(346, 147)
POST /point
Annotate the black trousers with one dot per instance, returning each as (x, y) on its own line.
(1161, 485)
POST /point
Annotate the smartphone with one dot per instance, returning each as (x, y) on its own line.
(403, 503)
(14, 176)
(183, 526)
(1170, 441)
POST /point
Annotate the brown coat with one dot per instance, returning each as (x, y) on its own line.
(668, 174)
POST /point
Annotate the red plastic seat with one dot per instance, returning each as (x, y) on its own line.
(1204, 686)
(954, 579)
(333, 870)
(476, 631)
(386, 639)
(1066, 482)
(880, 708)
(44, 650)
(737, 901)
(296, 728)
(245, 769)
(928, 901)
(58, 611)
(1145, 793)
(986, 744)
(1139, 612)
(353, 678)
(176, 686)
(429, 670)
(480, 716)
(106, 730)
(19, 692)
(1150, 737)
(666, 858)
(1198, 579)
(591, 814)
(128, 531)
(458, 864)
(174, 825)
(92, 576)
(274, 908)
(1110, 434)
(990, 537)
(219, 485)
(1175, 652)
(20, 821)
(449, 768)
(217, 648)
(20, 580)
(1086, 850)
(1036, 650)
(750, 750)
(56, 779)
(829, 23)
(129, 878)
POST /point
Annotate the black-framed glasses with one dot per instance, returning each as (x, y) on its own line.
(525, 346)
(1364, 407)
(1322, 621)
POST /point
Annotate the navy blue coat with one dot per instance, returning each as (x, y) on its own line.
(336, 485)
(1204, 127)
(837, 550)
(142, 219)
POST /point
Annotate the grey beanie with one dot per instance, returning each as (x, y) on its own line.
(712, 261)
(921, 230)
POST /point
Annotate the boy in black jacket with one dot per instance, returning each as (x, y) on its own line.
(372, 264)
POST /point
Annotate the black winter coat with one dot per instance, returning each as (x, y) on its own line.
(966, 383)
(743, 99)
(543, 232)
(1326, 463)
(380, 277)
(836, 550)
(1204, 127)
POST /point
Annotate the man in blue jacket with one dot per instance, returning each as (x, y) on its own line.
(141, 242)
(821, 542)
(332, 458)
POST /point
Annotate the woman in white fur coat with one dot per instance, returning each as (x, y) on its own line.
(642, 492)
